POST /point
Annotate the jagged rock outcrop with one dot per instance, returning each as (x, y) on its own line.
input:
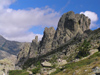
(23, 54)
(46, 43)
(70, 24)
(33, 52)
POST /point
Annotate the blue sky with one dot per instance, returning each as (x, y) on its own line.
(68, 5)
(26, 18)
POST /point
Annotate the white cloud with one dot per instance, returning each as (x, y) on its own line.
(25, 37)
(93, 16)
(14, 24)
(5, 3)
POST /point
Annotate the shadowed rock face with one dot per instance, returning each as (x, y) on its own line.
(70, 25)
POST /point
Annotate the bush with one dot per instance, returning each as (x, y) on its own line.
(84, 49)
(99, 48)
(36, 70)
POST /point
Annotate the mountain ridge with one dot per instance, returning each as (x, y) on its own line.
(9, 47)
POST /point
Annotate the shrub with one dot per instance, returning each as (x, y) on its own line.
(36, 70)
(84, 49)
(99, 48)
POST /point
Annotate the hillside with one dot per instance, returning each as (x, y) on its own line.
(11, 47)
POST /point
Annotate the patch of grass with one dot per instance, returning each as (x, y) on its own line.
(18, 72)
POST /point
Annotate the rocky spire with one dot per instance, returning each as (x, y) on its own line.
(46, 43)
(33, 52)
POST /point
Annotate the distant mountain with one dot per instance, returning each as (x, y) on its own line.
(8, 48)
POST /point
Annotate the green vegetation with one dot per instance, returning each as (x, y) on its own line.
(53, 59)
(78, 65)
(84, 49)
(36, 70)
(18, 72)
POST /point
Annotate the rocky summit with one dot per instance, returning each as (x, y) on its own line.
(72, 42)
(69, 25)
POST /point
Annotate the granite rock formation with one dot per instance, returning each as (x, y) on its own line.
(23, 53)
(69, 26)
(33, 51)
(47, 40)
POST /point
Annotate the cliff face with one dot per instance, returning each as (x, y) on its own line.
(23, 53)
(69, 26)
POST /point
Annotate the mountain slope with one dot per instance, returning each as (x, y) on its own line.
(9, 47)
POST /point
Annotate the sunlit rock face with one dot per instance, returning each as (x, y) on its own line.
(69, 25)
(47, 40)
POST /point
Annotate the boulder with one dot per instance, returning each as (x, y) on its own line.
(61, 62)
(46, 64)
(93, 51)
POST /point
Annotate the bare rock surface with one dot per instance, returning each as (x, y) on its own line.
(69, 25)
(46, 64)
(46, 43)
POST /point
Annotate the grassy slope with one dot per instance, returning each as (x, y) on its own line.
(18, 72)
(83, 67)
